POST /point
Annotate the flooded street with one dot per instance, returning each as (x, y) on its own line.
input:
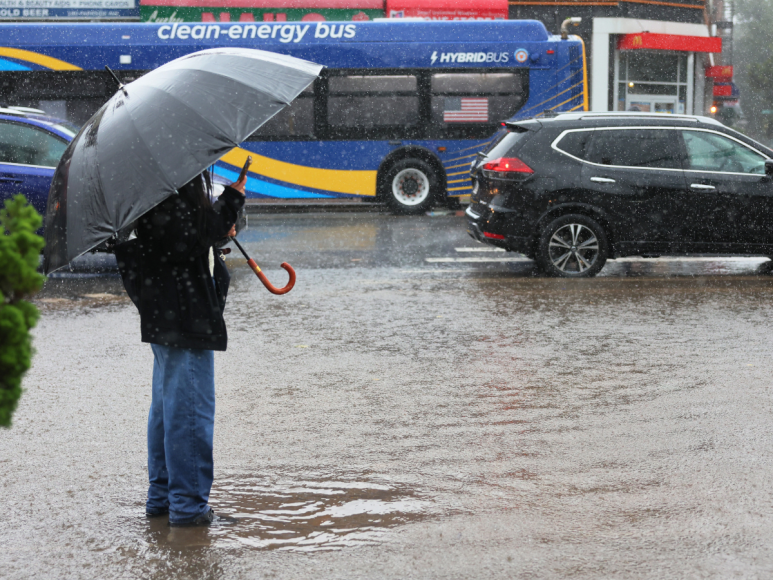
(417, 407)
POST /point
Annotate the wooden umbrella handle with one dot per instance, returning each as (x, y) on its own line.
(259, 273)
(269, 286)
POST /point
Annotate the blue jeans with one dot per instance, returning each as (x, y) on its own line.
(180, 431)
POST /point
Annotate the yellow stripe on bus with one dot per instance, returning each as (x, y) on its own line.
(462, 157)
(335, 180)
(585, 102)
(36, 58)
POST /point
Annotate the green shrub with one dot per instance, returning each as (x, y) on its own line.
(20, 250)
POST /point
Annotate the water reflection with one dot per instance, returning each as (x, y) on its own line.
(307, 515)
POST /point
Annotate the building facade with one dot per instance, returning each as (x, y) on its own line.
(643, 55)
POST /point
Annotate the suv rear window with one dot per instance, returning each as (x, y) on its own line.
(507, 144)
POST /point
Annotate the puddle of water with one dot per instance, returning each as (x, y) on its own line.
(298, 515)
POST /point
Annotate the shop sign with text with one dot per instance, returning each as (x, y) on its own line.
(67, 9)
(219, 14)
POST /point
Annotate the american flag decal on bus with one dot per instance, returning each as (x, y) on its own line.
(465, 110)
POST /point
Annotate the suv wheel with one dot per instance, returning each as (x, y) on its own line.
(572, 246)
(410, 186)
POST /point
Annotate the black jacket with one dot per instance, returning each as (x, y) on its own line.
(166, 272)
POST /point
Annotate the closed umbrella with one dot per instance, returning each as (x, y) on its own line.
(156, 134)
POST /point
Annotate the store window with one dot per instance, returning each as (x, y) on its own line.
(651, 81)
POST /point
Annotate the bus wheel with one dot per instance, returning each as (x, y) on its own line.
(411, 185)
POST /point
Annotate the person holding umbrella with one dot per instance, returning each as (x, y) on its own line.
(137, 165)
(179, 284)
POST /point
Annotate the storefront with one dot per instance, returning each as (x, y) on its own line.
(667, 68)
(656, 66)
(656, 72)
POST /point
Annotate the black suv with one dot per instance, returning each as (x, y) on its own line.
(574, 190)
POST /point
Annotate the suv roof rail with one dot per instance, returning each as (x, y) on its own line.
(9, 111)
(27, 110)
(580, 115)
(637, 114)
(634, 114)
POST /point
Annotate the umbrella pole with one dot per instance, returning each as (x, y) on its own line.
(259, 273)
(117, 80)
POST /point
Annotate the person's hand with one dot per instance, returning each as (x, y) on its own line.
(232, 231)
(239, 184)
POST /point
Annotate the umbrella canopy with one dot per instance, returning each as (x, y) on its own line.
(158, 134)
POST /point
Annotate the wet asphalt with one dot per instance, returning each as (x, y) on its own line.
(417, 407)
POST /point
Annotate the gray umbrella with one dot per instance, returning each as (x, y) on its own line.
(158, 133)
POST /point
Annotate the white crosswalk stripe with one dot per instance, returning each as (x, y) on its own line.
(479, 249)
(476, 259)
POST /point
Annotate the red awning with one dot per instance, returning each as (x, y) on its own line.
(720, 72)
(669, 42)
(448, 9)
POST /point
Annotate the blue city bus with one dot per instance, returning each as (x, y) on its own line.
(397, 116)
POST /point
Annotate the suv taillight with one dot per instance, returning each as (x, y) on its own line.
(506, 167)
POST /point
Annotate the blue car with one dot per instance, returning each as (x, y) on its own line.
(31, 145)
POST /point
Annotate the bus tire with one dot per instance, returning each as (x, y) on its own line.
(411, 186)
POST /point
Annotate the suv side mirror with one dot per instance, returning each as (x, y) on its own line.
(769, 168)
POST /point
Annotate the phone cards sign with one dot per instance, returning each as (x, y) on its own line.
(68, 9)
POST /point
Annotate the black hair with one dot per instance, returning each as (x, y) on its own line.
(196, 193)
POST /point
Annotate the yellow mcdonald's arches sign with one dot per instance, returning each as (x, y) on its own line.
(637, 41)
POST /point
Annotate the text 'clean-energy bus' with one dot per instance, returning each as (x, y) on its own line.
(397, 115)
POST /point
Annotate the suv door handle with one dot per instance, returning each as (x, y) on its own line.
(602, 180)
(702, 186)
(11, 179)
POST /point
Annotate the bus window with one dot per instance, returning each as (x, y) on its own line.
(370, 101)
(476, 83)
(294, 121)
(72, 95)
(475, 98)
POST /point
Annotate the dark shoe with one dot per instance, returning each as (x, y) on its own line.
(156, 514)
(207, 519)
